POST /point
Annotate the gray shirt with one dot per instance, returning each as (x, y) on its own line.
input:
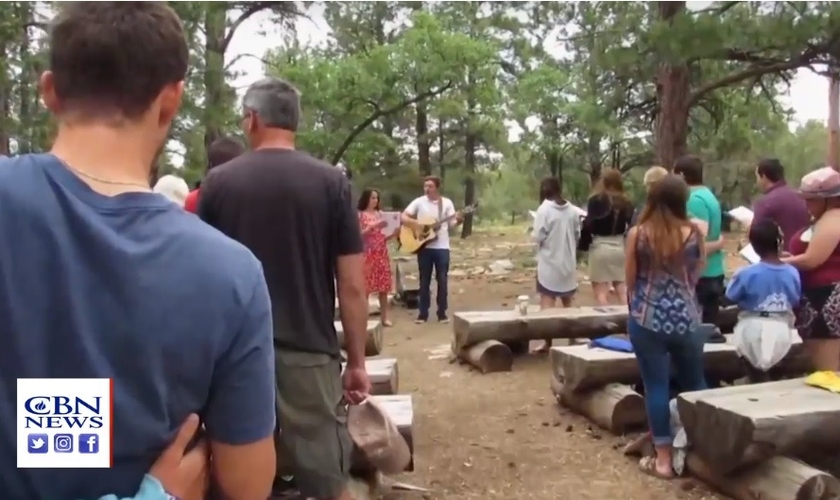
(556, 233)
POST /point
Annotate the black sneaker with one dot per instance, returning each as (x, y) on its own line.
(443, 319)
(420, 321)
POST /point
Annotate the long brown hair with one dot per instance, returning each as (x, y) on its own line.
(611, 187)
(663, 218)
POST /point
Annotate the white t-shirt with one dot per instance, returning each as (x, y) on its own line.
(424, 207)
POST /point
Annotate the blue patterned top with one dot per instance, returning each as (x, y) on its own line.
(664, 300)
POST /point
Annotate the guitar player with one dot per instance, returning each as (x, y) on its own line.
(435, 255)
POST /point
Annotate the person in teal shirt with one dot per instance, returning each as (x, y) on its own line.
(179, 473)
(704, 206)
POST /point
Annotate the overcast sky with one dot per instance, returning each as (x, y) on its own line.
(808, 93)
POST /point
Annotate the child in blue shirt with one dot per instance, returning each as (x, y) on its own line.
(766, 293)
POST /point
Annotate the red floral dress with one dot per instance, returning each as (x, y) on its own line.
(377, 261)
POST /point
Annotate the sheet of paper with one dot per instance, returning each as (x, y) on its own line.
(532, 213)
(748, 253)
(392, 220)
(742, 214)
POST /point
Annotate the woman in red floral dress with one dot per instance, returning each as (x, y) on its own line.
(377, 261)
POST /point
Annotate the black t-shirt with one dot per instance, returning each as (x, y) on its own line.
(296, 214)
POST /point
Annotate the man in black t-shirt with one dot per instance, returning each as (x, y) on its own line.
(296, 214)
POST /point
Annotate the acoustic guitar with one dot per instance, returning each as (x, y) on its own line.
(412, 240)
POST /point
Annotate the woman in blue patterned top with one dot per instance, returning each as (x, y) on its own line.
(665, 257)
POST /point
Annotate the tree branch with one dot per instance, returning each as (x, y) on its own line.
(379, 113)
(804, 59)
(253, 8)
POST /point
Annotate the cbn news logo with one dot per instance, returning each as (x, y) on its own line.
(64, 423)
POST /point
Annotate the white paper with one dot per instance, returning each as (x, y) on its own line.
(392, 222)
(533, 214)
(748, 253)
(742, 214)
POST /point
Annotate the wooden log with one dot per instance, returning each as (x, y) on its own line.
(734, 427)
(384, 376)
(581, 367)
(614, 407)
(558, 323)
(373, 347)
(373, 305)
(401, 411)
(489, 356)
(779, 478)
(406, 277)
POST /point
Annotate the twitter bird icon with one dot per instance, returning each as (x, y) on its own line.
(37, 443)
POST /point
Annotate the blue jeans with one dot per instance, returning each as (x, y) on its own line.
(427, 259)
(656, 353)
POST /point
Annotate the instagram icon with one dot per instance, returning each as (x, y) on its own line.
(63, 443)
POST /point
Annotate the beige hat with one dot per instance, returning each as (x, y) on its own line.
(377, 437)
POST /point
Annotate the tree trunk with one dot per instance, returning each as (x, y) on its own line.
(673, 89)
(214, 70)
(595, 159)
(424, 146)
(26, 111)
(441, 150)
(470, 145)
(833, 159)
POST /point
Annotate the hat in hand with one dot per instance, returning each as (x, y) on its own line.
(377, 437)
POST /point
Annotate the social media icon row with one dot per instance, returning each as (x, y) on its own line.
(62, 443)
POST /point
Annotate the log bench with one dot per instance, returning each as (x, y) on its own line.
(731, 428)
(384, 376)
(778, 478)
(373, 305)
(401, 410)
(580, 367)
(484, 338)
(614, 407)
(407, 282)
(373, 347)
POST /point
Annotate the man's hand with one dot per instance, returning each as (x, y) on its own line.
(356, 384)
(459, 217)
(183, 473)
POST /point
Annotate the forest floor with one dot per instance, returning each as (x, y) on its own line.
(502, 435)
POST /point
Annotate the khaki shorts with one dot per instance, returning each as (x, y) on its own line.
(313, 421)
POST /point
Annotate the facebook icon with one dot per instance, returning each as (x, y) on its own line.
(88, 443)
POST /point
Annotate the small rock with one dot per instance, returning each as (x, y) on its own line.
(509, 431)
(545, 424)
(570, 428)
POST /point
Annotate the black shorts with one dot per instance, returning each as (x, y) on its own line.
(710, 291)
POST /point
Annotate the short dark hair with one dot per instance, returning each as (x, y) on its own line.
(771, 169)
(550, 189)
(766, 238)
(223, 150)
(434, 180)
(114, 58)
(691, 168)
(364, 199)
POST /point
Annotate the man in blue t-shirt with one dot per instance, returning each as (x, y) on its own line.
(100, 277)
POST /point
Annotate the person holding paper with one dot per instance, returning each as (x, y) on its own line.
(377, 261)
(816, 253)
(608, 215)
(556, 229)
(779, 203)
(766, 293)
(703, 206)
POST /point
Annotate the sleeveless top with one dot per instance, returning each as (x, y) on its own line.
(664, 300)
(826, 274)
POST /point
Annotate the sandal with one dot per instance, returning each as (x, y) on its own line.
(648, 466)
(388, 323)
(543, 349)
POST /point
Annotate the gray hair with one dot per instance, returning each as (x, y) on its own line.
(275, 101)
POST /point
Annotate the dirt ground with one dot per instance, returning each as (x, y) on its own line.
(502, 436)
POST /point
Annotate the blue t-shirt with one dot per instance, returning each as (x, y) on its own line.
(763, 287)
(134, 288)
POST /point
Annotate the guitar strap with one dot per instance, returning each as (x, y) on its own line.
(440, 208)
